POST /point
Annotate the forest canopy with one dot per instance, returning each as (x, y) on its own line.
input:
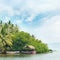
(12, 39)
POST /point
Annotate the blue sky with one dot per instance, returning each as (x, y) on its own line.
(38, 17)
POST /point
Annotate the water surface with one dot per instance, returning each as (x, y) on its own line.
(48, 56)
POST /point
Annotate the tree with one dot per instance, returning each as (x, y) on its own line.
(5, 42)
(5, 38)
(13, 39)
(22, 39)
(1, 22)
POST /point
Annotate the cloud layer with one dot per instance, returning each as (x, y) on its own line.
(38, 17)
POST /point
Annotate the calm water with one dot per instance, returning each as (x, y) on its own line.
(48, 56)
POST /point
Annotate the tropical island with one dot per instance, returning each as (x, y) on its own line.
(12, 39)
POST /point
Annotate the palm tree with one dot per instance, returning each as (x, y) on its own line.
(5, 38)
(5, 42)
(6, 34)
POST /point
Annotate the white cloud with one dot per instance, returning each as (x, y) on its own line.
(30, 19)
(18, 21)
(7, 9)
(6, 19)
(43, 6)
(50, 30)
(36, 6)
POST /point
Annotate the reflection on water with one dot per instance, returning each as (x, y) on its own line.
(48, 56)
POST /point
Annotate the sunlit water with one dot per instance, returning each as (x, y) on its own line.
(48, 56)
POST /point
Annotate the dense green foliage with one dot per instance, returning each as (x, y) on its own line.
(13, 39)
(22, 39)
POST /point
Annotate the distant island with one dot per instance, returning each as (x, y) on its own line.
(12, 39)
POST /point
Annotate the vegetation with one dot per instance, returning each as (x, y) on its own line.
(13, 39)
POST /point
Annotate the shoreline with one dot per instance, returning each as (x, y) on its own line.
(19, 53)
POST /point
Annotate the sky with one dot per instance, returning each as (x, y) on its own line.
(38, 17)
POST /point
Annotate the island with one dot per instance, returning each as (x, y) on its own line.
(13, 40)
